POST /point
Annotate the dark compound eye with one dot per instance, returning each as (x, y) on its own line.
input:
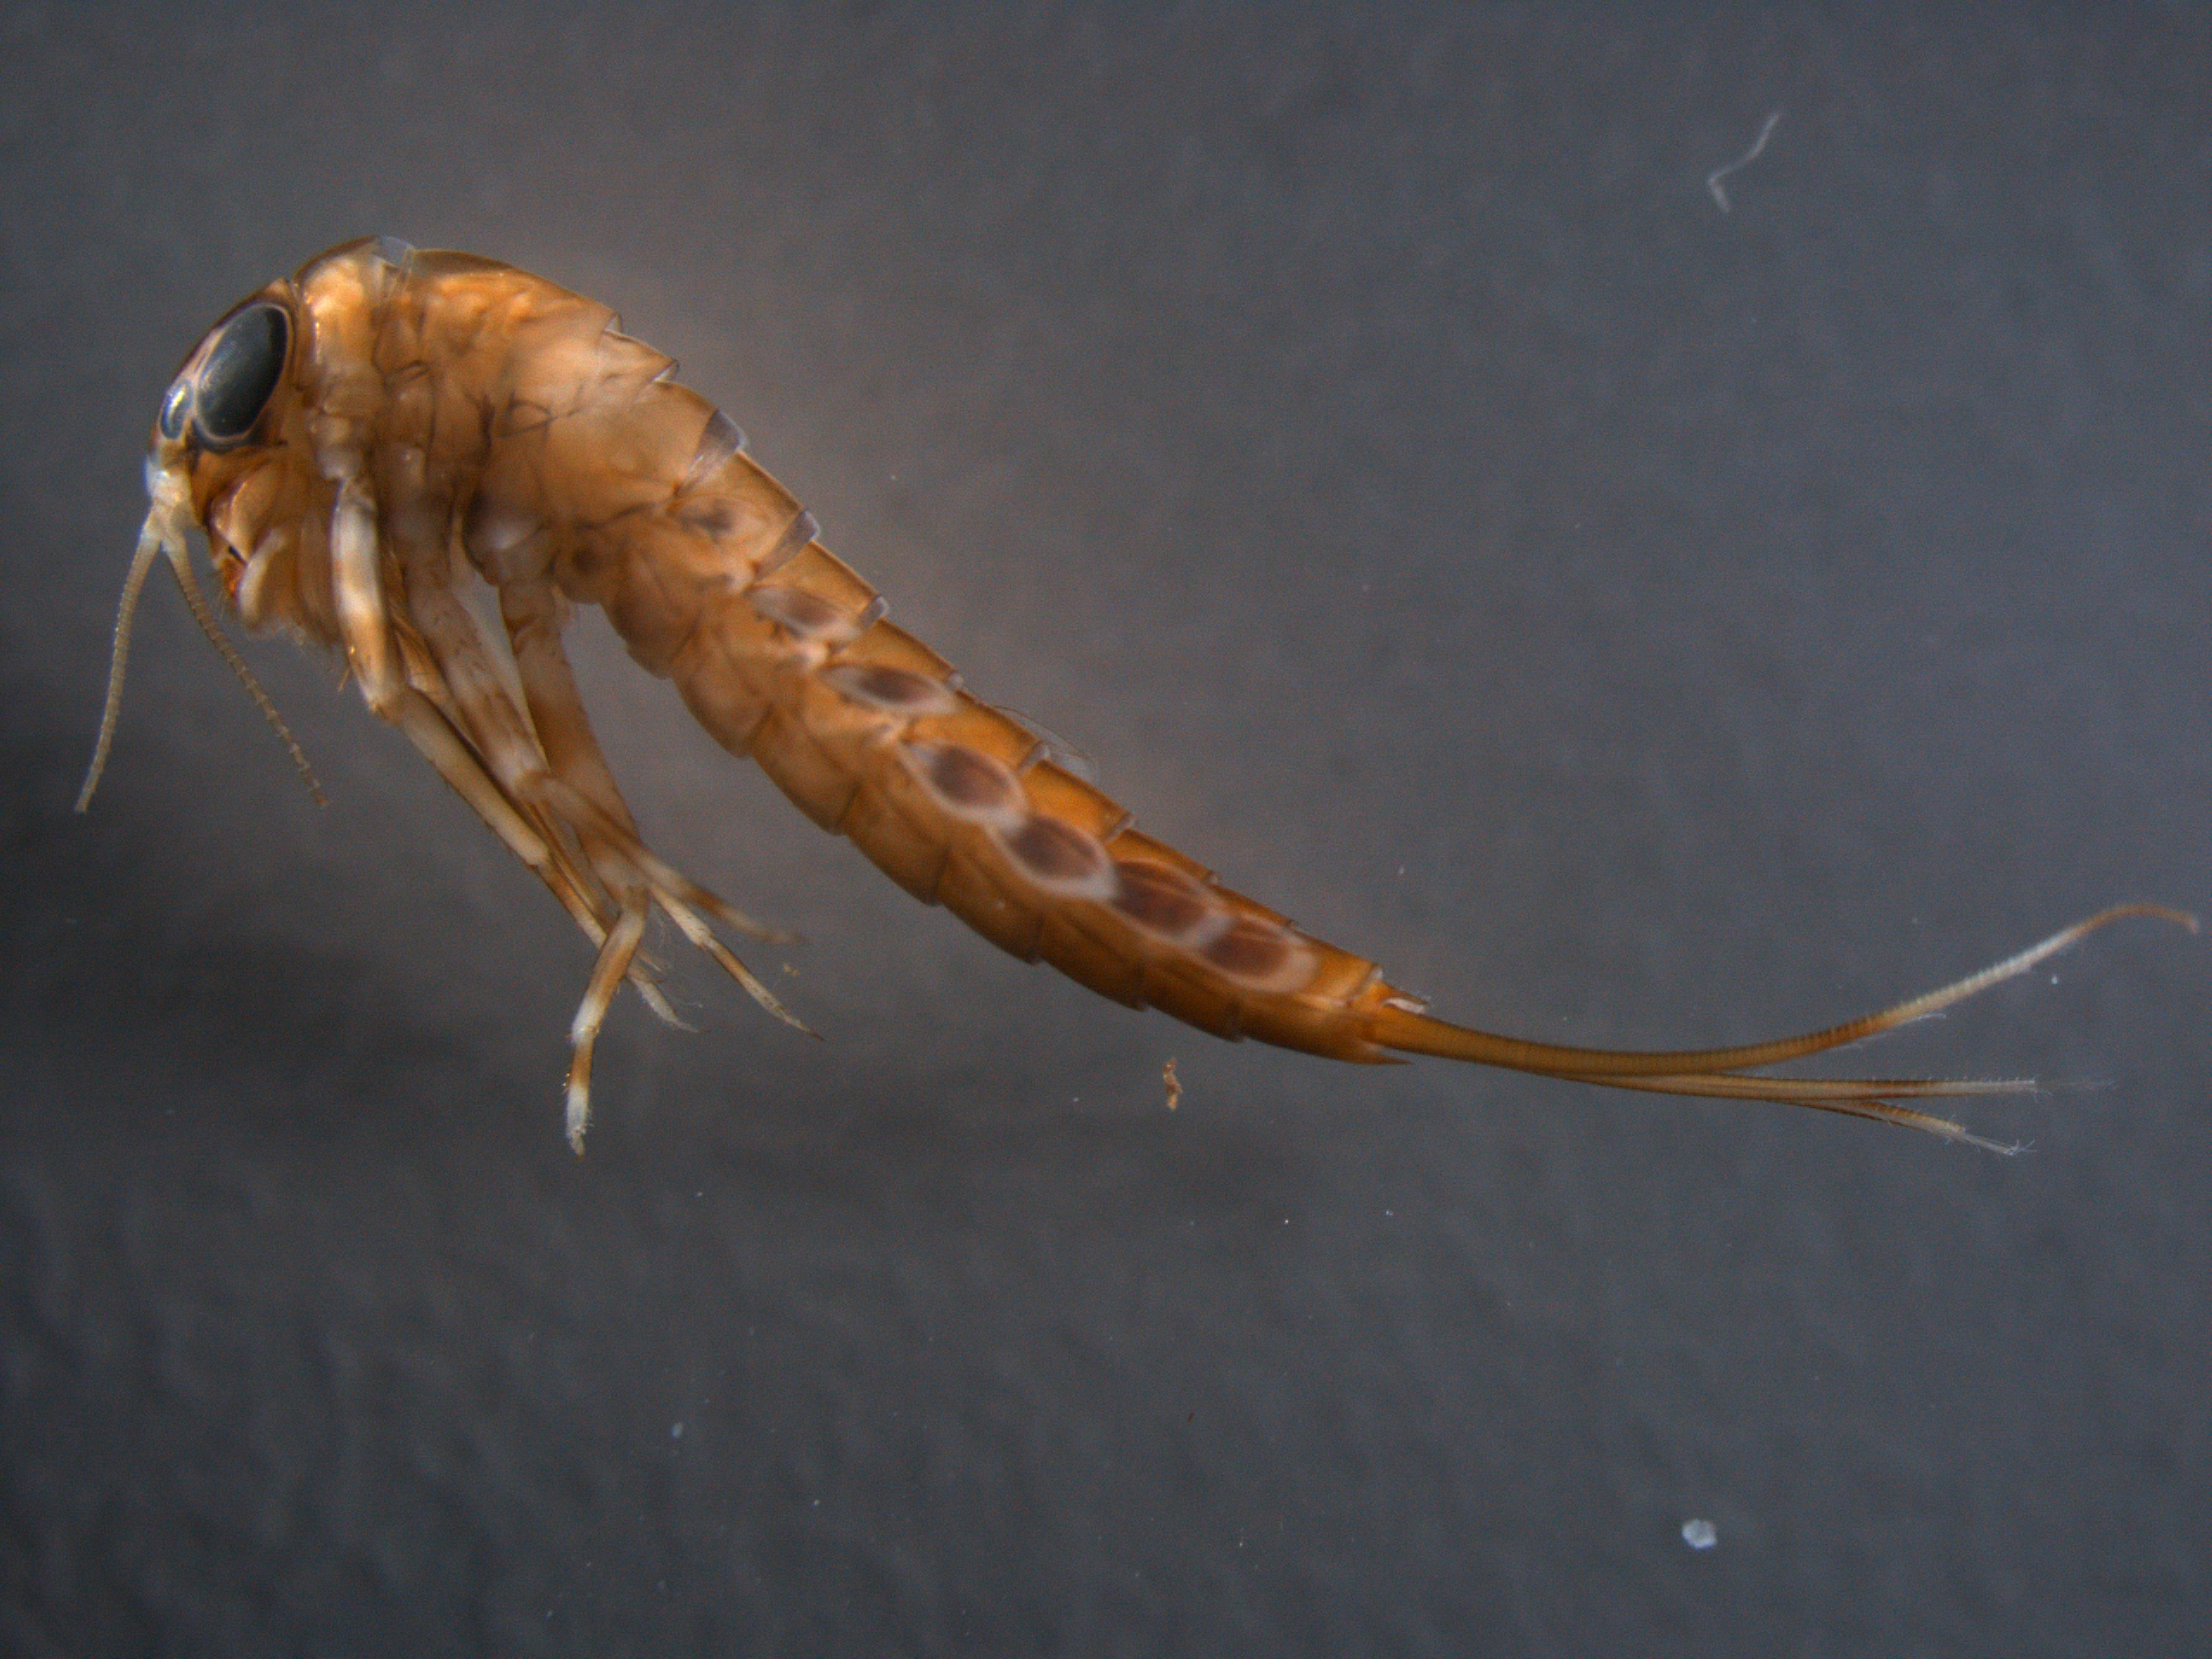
(241, 370)
(176, 404)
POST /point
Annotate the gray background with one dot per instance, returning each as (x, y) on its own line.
(1366, 438)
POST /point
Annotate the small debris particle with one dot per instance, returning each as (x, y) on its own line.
(1700, 1534)
(1174, 1086)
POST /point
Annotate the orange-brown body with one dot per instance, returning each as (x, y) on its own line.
(434, 419)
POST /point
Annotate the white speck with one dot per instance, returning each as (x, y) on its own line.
(1699, 1535)
(676, 1431)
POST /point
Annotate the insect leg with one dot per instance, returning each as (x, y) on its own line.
(607, 973)
(375, 652)
(531, 609)
(531, 612)
(459, 664)
(455, 666)
(372, 651)
(374, 656)
(459, 661)
(581, 780)
(537, 844)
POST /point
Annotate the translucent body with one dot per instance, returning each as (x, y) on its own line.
(435, 419)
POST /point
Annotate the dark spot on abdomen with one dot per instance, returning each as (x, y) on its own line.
(804, 614)
(964, 783)
(1059, 856)
(1160, 900)
(1261, 954)
(896, 690)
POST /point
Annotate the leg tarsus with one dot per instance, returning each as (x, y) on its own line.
(701, 935)
(607, 975)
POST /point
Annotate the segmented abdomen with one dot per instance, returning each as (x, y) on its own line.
(783, 653)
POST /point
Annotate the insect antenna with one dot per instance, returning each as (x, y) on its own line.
(150, 543)
(181, 562)
(157, 536)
